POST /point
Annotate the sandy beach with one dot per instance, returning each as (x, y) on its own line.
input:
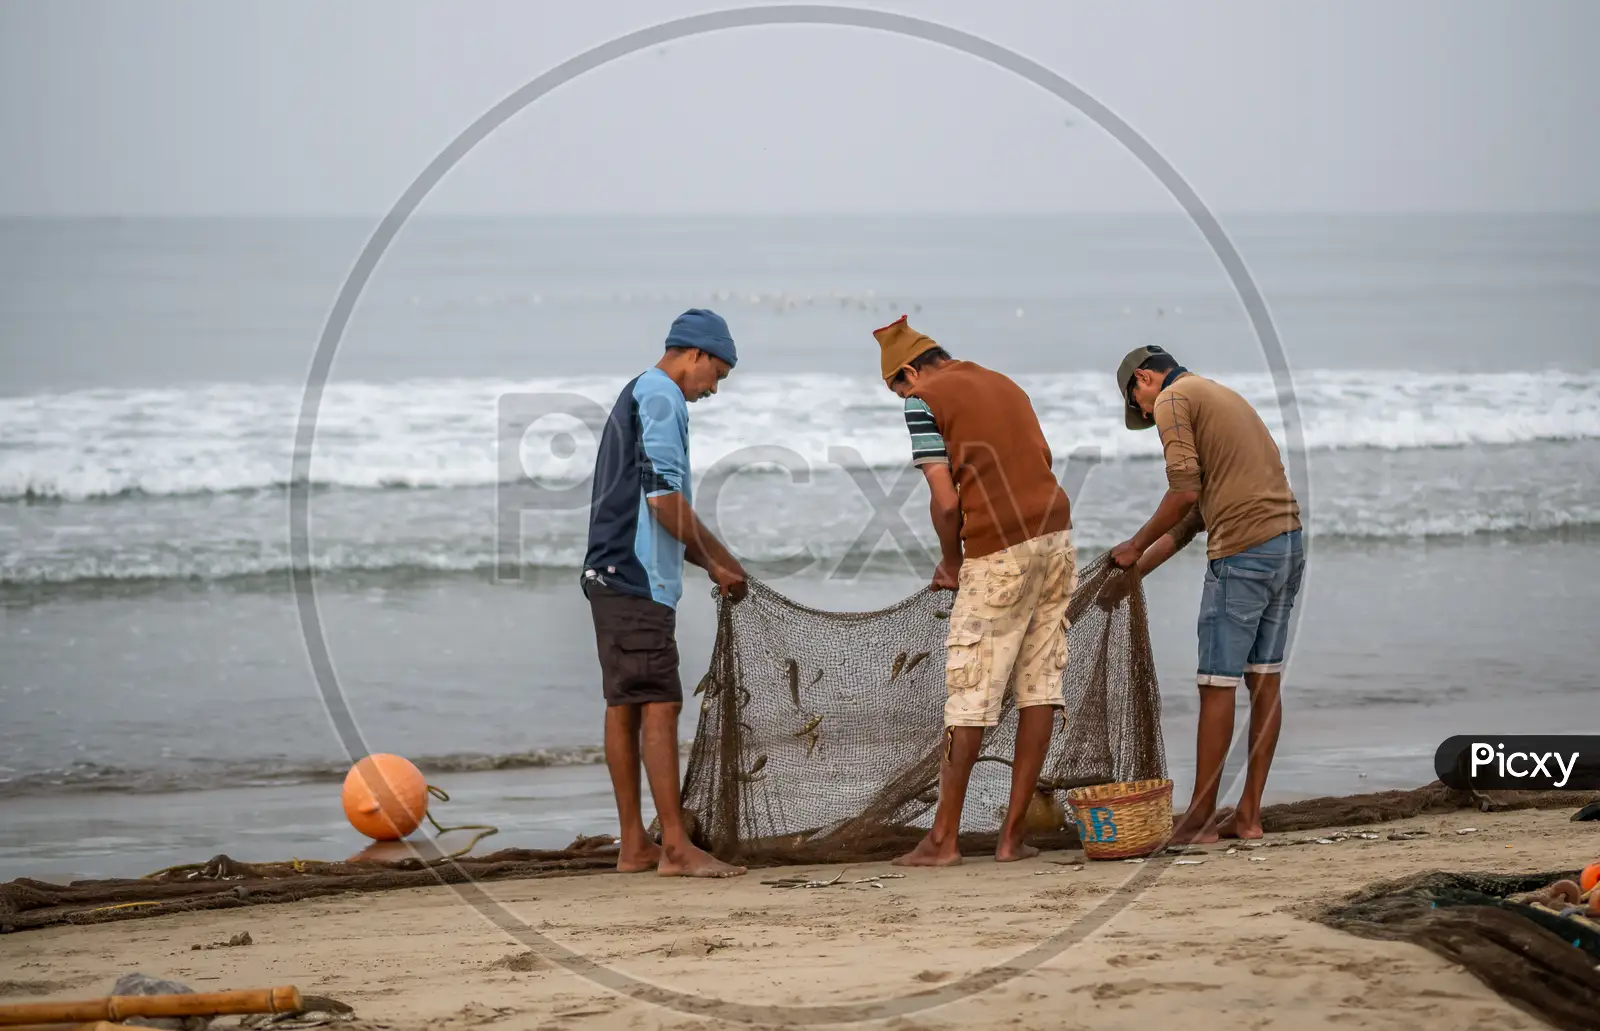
(1217, 945)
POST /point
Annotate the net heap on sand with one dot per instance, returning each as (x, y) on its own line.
(225, 883)
(821, 733)
(1543, 963)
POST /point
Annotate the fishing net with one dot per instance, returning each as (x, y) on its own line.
(225, 883)
(1386, 806)
(819, 741)
(1541, 961)
(821, 733)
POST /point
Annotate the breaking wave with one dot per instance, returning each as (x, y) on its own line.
(442, 434)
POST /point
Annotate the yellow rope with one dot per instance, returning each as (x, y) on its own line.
(483, 829)
(125, 905)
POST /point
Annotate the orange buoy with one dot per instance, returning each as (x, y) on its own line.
(1590, 876)
(385, 797)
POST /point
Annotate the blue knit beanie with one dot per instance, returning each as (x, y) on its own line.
(706, 330)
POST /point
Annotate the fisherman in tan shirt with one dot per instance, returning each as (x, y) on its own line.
(1224, 476)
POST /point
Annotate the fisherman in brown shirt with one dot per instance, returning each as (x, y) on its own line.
(1224, 476)
(1004, 530)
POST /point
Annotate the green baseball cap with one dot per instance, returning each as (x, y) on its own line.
(1136, 419)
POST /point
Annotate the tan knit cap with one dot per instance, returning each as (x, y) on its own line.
(899, 344)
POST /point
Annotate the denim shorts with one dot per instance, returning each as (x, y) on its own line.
(1244, 610)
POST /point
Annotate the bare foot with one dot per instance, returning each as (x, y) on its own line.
(1240, 825)
(692, 862)
(1194, 829)
(927, 853)
(639, 860)
(1008, 852)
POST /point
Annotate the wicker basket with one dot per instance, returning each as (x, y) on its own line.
(1124, 820)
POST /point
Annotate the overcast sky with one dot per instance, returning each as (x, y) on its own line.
(307, 106)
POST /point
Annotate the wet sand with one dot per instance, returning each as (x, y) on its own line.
(1219, 945)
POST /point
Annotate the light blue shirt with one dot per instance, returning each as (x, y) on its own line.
(664, 468)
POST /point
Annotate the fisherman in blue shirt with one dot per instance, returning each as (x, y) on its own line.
(641, 528)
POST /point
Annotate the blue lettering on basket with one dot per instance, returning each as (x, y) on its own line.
(1105, 827)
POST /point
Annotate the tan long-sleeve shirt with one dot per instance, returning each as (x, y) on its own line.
(1216, 444)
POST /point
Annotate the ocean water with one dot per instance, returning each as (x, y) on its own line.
(156, 702)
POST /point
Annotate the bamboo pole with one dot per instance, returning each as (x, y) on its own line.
(117, 1007)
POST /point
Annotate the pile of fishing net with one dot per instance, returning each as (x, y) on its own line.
(224, 883)
(1430, 799)
(1499, 928)
(821, 733)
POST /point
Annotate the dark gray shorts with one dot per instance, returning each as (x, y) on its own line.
(637, 641)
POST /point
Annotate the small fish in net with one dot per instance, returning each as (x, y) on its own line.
(851, 767)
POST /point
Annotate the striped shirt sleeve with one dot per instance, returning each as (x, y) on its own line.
(1175, 423)
(927, 446)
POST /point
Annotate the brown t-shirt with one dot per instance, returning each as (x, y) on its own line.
(1216, 444)
(998, 456)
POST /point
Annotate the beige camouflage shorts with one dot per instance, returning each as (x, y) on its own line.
(1008, 630)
